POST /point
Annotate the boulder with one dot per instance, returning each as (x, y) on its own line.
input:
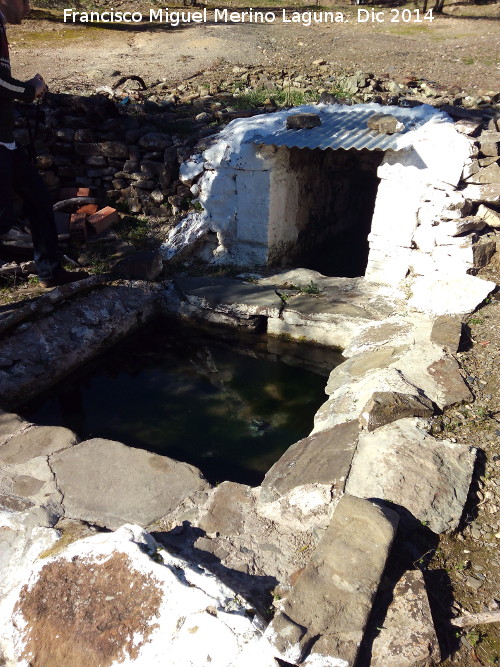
(469, 127)
(483, 251)
(120, 597)
(490, 174)
(24, 535)
(303, 121)
(488, 193)
(436, 374)
(490, 143)
(458, 227)
(191, 169)
(155, 141)
(323, 619)
(143, 486)
(402, 463)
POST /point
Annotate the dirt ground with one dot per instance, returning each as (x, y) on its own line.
(458, 50)
(464, 573)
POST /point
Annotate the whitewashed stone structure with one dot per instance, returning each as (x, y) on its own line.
(249, 194)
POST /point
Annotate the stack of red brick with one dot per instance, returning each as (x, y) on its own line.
(87, 219)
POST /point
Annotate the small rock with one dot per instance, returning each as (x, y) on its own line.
(474, 583)
(203, 117)
(155, 141)
(385, 123)
(300, 121)
(491, 217)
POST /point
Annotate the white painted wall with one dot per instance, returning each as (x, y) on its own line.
(249, 200)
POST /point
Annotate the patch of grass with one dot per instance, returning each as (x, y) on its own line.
(196, 205)
(476, 320)
(98, 266)
(311, 288)
(468, 60)
(134, 229)
(283, 98)
(474, 637)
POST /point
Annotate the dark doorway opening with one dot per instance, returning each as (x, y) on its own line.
(335, 193)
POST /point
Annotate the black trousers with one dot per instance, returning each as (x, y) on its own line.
(18, 175)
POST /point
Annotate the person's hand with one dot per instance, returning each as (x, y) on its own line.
(39, 85)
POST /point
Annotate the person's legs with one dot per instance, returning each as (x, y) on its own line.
(6, 192)
(28, 184)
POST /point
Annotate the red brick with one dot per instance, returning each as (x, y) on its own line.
(69, 193)
(78, 227)
(88, 209)
(103, 219)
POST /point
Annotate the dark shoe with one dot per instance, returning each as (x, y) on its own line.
(63, 277)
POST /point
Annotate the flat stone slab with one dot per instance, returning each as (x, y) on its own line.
(407, 637)
(379, 397)
(108, 484)
(423, 368)
(30, 483)
(393, 332)
(402, 463)
(355, 367)
(9, 424)
(225, 531)
(446, 332)
(323, 619)
(322, 307)
(305, 484)
(230, 296)
(36, 441)
(385, 407)
(434, 372)
(449, 295)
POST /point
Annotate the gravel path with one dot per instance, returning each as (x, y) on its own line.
(456, 52)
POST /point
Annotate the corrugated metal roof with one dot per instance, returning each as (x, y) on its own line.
(345, 128)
